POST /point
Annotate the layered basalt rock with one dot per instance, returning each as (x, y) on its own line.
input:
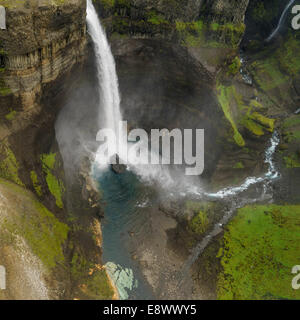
(201, 23)
(224, 11)
(41, 43)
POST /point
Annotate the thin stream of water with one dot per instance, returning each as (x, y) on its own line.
(281, 21)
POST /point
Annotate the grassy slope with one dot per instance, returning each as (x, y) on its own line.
(274, 72)
(29, 219)
(261, 245)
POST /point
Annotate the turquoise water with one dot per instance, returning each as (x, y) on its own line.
(125, 200)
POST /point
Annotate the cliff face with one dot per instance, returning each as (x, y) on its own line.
(201, 23)
(41, 43)
(221, 11)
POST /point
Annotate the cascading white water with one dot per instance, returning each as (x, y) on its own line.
(281, 21)
(109, 96)
(270, 175)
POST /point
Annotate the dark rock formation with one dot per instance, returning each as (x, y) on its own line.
(118, 168)
(41, 44)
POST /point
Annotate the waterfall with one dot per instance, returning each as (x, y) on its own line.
(109, 96)
(281, 20)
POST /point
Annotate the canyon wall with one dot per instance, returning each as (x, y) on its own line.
(201, 23)
(43, 55)
(41, 44)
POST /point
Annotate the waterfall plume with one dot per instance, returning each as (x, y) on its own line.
(109, 96)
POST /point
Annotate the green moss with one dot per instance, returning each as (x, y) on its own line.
(288, 56)
(291, 122)
(253, 127)
(10, 116)
(296, 135)
(291, 128)
(292, 161)
(4, 91)
(258, 123)
(79, 266)
(9, 166)
(261, 245)
(214, 26)
(107, 4)
(268, 123)
(267, 75)
(238, 165)
(49, 160)
(35, 182)
(47, 242)
(200, 34)
(55, 185)
(239, 114)
(38, 226)
(234, 67)
(155, 18)
(279, 67)
(98, 285)
(199, 223)
(225, 96)
(255, 104)
(197, 214)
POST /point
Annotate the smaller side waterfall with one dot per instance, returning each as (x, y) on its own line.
(281, 21)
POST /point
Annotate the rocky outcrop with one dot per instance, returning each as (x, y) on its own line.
(42, 42)
(221, 11)
(226, 20)
(201, 23)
